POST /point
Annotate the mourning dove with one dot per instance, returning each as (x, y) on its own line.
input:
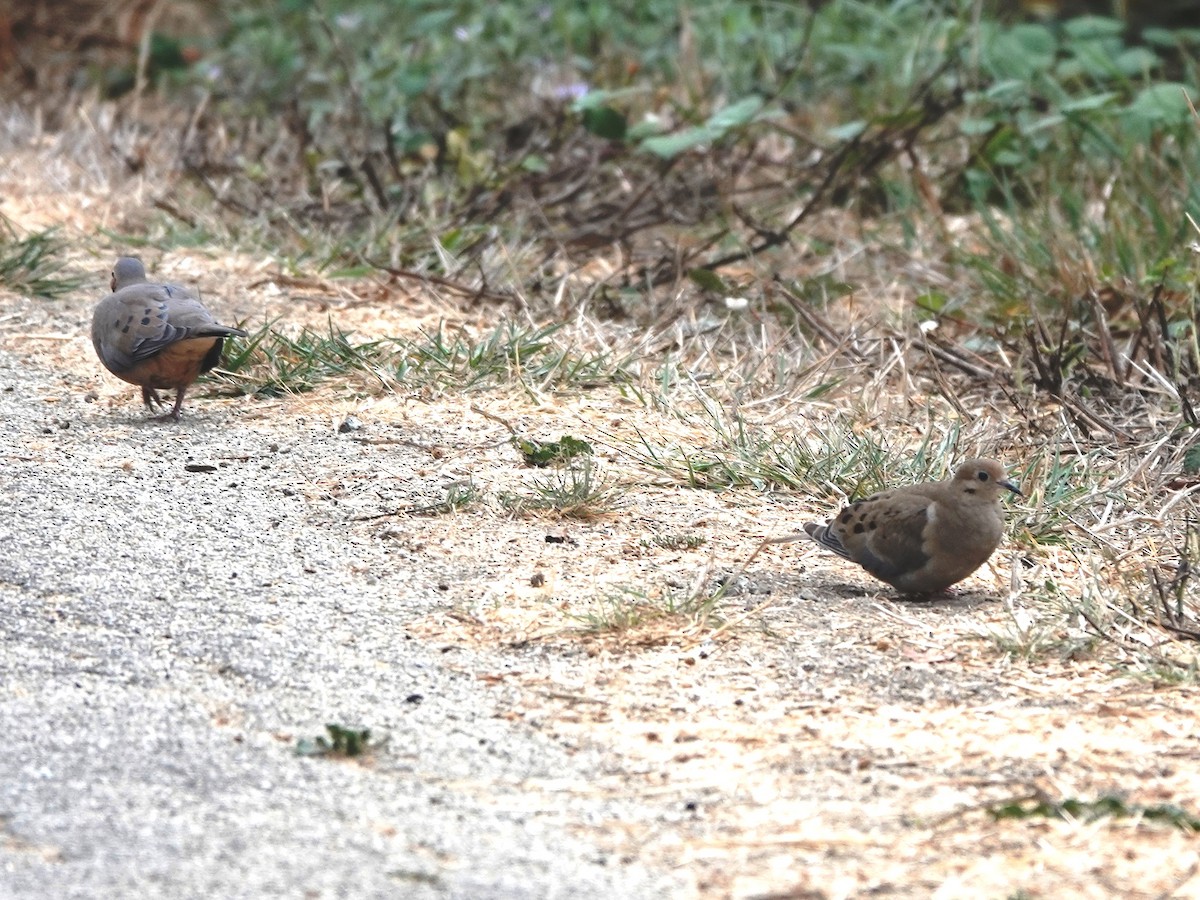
(924, 538)
(155, 335)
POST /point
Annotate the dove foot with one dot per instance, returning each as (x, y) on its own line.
(151, 399)
(173, 415)
(155, 402)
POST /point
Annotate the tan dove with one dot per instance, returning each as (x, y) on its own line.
(924, 538)
(155, 335)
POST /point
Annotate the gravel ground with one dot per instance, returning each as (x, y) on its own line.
(178, 605)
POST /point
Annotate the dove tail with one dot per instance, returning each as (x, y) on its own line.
(827, 539)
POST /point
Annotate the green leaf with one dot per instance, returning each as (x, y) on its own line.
(971, 127)
(1095, 101)
(1164, 103)
(1008, 89)
(1191, 460)
(451, 239)
(668, 146)
(933, 302)
(605, 122)
(536, 164)
(647, 128)
(1021, 52)
(741, 113)
(348, 741)
(1171, 38)
(821, 289)
(708, 280)
(540, 455)
(1137, 61)
(849, 131)
(595, 99)
(720, 123)
(1091, 28)
(342, 741)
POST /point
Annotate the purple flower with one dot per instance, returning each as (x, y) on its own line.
(572, 91)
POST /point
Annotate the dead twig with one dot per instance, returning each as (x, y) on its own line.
(448, 284)
(954, 356)
(856, 158)
(495, 418)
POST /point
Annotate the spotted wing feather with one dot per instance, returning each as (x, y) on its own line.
(885, 534)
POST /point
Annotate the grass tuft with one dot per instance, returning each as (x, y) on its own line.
(460, 495)
(578, 491)
(674, 541)
(342, 741)
(270, 364)
(28, 265)
(839, 459)
(663, 615)
(533, 356)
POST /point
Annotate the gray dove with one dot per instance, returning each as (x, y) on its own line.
(923, 538)
(155, 335)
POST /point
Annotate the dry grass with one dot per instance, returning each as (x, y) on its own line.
(806, 734)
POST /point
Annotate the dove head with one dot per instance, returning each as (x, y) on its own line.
(128, 270)
(984, 479)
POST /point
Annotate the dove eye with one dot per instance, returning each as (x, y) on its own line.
(982, 476)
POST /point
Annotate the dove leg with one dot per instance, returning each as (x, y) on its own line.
(173, 415)
(151, 399)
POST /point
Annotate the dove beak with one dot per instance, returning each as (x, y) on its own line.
(1011, 486)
